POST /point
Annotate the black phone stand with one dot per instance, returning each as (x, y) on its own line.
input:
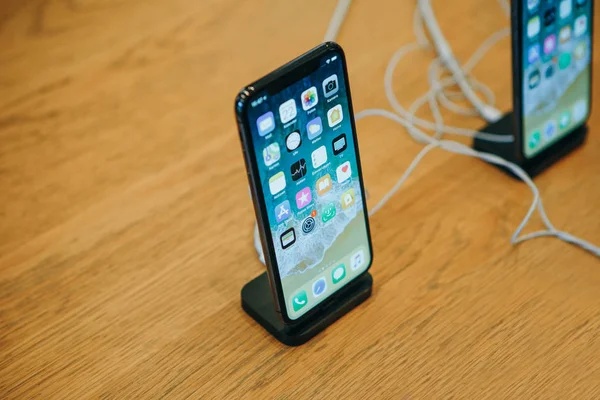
(257, 301)
(534, 167)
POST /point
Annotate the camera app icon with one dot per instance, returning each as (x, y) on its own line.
(330, 86)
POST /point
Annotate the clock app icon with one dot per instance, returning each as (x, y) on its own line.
(293, 141)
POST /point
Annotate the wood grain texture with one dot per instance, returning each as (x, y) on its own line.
(125, 232)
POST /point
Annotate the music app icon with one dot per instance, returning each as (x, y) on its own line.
(357, 260)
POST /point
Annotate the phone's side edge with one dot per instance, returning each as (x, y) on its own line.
(241, 103)
(517, 52)
(516, 22)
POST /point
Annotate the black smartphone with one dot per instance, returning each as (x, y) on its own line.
(299, 142)
(552, 70)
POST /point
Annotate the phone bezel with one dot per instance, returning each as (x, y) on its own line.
(518, 45)
(274, 82)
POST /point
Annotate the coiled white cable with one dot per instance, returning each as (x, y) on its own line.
(488, 112)
(407, 120)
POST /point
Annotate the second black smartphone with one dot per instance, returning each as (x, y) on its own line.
(552, 73)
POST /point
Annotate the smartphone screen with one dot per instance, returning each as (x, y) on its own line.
(556, 66)
(305, 149)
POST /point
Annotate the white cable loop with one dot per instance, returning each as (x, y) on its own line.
(489, 113)
(505, 6)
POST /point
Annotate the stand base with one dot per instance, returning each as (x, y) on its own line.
(258, 303)
(534, 166)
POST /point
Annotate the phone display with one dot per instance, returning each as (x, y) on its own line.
(556, 70)
(304, 147)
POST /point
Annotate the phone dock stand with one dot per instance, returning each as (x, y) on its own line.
(533, 167)
(257, 301)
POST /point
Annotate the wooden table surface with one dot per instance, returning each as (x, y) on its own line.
(125, 222)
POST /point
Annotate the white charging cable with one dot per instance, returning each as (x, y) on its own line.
(505, 6)
(407, 120)
(339, 14)
(489, 113)
(446, 96)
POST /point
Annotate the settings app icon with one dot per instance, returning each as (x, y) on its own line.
(308, 225)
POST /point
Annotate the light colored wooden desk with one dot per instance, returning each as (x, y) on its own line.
(125, 223)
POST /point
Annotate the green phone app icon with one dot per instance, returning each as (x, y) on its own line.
(299, 301)
(534, 140)
(338, 273)
(564, 60)
(328, 212)
(564, 120)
